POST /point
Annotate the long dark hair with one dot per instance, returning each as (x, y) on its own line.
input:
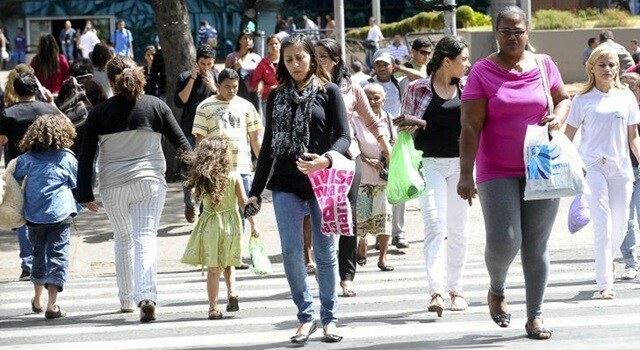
(240, 38)
(448, 47)
(340, 71)
(305, 42)
(47, 60)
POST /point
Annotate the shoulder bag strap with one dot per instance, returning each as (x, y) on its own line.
(545, 82)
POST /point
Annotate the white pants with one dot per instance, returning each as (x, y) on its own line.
(444, 215)
(609, 206)
(134, 212)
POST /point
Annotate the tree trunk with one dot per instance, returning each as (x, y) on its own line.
(178, 50)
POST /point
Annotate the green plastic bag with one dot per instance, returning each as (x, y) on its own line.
(405, 171)
(261, 265)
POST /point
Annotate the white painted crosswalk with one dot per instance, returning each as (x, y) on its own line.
(388, 313)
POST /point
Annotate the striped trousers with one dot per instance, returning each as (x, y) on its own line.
(134, 212)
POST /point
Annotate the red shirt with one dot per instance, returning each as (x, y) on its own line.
(54, 83)
(265, 71)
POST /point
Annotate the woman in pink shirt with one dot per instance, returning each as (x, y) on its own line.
(50, 66)
(504, 94)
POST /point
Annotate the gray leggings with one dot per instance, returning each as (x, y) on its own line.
(513, 224)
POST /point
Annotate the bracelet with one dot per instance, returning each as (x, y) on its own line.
(192, 78)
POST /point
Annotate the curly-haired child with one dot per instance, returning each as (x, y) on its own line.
(215, 241)
(49, 169)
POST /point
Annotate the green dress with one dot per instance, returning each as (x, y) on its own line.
(216, 238)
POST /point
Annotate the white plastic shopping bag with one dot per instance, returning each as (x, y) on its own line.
(553, 167)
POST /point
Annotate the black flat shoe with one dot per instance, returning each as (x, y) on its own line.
(34, 308)
(301, 338)
(331, 337)
(361, 260)
(385, 267)
(54, 314)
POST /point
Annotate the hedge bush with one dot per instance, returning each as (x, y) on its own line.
(554, 19)
(589, 14)
(425, 21)
(464, 16)
(613, 18)
(481, 20)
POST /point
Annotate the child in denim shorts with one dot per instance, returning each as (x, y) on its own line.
(49, 169)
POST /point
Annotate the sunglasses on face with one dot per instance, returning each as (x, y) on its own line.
(508, 33)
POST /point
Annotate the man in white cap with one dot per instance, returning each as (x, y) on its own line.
(383, 64)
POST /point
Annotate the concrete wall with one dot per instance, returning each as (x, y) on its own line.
(564, 46)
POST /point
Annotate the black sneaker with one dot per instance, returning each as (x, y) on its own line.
(24, 276)
(190, 213)
(147, 311)
(400, 242)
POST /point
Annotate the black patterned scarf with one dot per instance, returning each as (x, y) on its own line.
(291, 132)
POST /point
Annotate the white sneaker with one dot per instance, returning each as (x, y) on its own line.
(629, 274)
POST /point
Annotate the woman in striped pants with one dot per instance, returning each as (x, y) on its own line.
(129, 127)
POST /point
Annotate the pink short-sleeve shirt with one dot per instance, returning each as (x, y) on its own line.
(514, 101)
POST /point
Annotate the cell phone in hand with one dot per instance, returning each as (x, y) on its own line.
(253, 208)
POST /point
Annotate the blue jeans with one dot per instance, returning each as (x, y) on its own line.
(19, 56)
(628, 246)
(26, 250)
(50, 254)
(68, 51)
(290, 211)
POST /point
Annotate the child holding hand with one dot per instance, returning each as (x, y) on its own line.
(49, 169)
(215, 241)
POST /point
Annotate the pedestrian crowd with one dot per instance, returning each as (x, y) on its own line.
(270, 122)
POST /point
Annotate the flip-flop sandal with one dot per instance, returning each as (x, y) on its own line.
(538, 332)
(311, 269)
(361, 260)
(215, 314)
(347, 292)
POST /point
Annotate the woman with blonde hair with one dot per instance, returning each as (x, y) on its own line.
(608, 114)
(10, 95)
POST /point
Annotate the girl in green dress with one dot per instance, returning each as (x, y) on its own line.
(215, 239)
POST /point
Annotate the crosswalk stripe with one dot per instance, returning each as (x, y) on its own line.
(277, 336)
(266, 306)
